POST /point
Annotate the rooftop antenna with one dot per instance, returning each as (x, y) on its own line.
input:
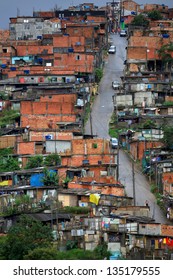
(18, 12)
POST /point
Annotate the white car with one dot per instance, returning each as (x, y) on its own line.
(115, 85)
(123, 33)
(114, 143)
(112, 49)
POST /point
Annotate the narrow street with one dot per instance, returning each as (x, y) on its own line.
(101, 113)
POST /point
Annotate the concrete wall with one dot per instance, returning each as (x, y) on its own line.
(124, 100)
(57, 146)
(140, 97)
(32, 27)
(150, 229)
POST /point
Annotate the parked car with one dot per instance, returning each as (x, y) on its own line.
(112, 49)
(115, 85)
(114, 143)
(123, 33)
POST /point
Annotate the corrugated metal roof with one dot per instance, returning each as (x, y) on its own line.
(44, 217)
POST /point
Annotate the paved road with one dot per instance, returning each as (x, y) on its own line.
(101, 113)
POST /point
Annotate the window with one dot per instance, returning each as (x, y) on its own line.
(78, 57)
(26, 26)
(38, 27)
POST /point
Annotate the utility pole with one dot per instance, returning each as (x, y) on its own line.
(133, 179)
(118, 158)
(91, 125)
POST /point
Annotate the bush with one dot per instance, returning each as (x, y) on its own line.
(154, 189)
(98, 74)
(149, 124)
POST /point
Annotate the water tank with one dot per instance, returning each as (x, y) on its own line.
(49, 137)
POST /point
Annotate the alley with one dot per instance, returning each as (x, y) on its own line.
(101, 113)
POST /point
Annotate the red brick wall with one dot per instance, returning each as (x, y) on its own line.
(42, 122)
(81, 146)
(48, 108)
(24, 148)
(23, 50)
(167, 230)
(4, 35)
(167, 180)
(40, 114)
(104, 190)
(70, 63)
(130, 5)
(151, 7)
(137, 148)
(59, 98)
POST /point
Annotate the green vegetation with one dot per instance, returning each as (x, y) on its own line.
(155, 15)
(34, 162)
(3, 96)
(8, 164)
(50, 178)
(71, 244)
(153, 188)
(25, 236)
(95, 145)
(8, 117)
(52, 160)
(29, 239)
(39, 161)
(168, 136)
(73, 254)
(6, 151)
(168, 103)
(114, 127)
(2, 245)
(140, 20)
(65, 181)
(98, 74)
(41, 254)
(148, 124)
(99, 253)
(165, 53)
(21, 204)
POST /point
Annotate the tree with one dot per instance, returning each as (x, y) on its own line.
(155, 15)
(166, 53)
(34, 162)
(74, 254)
(148, 124)
(52, 160)
(2, 246)
(102, 251)
(8, 164)
(26, 235)
(22, 203)
(50, 178)
(168, 137)
(42, 254)
(140, 20)
(98, 74)
(9, 117)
